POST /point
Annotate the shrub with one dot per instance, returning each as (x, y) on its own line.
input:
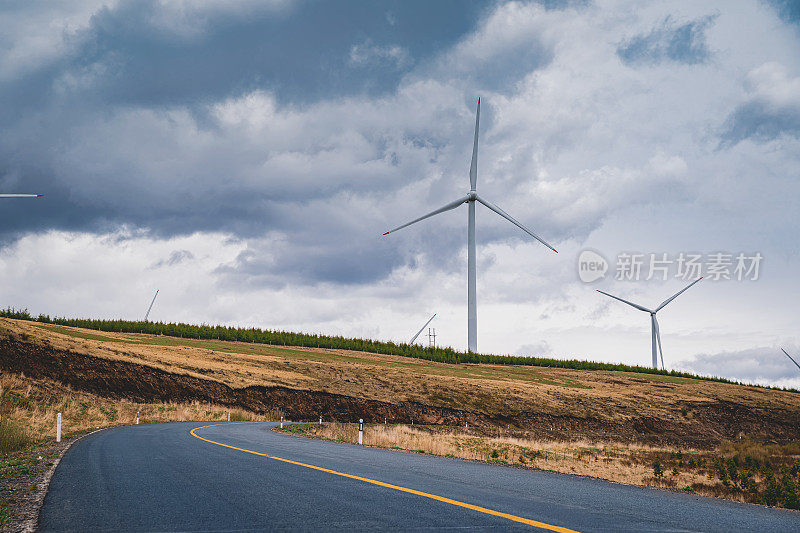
(658, 470)
(772, 493)
(12, 436)
(240, 416)
(788, 496)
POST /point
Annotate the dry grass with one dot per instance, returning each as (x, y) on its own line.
(608, 395)
(31, 406)
(765, 473)
(614, 461)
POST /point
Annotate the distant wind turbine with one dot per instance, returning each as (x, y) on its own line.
(21, 195)
(787, 355)
(151, 306)
(421, 329)
(655, 332)
(470, 199)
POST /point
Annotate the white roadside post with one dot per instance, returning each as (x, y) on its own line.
(137, 418)
(281, 422)
(361, 431)
(58, 427)
(320, 420)
(229, 416)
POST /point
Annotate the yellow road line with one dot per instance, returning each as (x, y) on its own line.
(515, 518)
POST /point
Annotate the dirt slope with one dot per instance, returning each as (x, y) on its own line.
(344, 385)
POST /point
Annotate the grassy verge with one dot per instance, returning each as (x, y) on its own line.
(742, 471)
(21, 473)
(28, 411)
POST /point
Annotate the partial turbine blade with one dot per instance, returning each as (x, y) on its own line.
(668, 300)
(421, 329)
(21, 195)
(473, 167)
(151, 306)
(448, 207)
(514, 221)
(637, 306)
(658, 338)
(790, 357)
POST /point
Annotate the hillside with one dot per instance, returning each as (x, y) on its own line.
(303, 383)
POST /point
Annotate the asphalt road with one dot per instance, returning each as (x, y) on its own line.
(160, 477)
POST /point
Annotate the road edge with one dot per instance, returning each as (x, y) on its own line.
(31, 524)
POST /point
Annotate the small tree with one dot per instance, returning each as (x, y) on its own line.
(658, 470)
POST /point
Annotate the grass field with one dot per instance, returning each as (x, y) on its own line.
(670, 431)
(543, 402)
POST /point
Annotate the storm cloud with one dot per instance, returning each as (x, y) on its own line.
(245, 158)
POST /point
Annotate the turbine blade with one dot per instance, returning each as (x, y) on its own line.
(473, 167)
(514, 221)
(668, 300)
(21, 195)
(658, 338)
(448, 207)
(790, 357)
(637, 306)
(421, 329)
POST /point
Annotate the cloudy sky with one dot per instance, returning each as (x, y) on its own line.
(244, 157)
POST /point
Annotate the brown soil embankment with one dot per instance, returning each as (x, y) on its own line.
(303, 383)
(141, 383)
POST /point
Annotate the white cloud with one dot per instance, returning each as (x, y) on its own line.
(762, 364)
(369, 54)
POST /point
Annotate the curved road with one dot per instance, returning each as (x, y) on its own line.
(245, 477)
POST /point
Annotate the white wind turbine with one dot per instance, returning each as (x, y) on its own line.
(21, 195)
(790, 357)
(421, 329)
(470, 199)
(655, 332)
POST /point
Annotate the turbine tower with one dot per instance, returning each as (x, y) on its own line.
(421, 329)
(655, 331)
(790, 357)
(470, 199)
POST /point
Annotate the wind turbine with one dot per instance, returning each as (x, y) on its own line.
(21, 195)
(655, 332)
(421, 329)
(151, 306)
(784, 351)
(470, 199)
